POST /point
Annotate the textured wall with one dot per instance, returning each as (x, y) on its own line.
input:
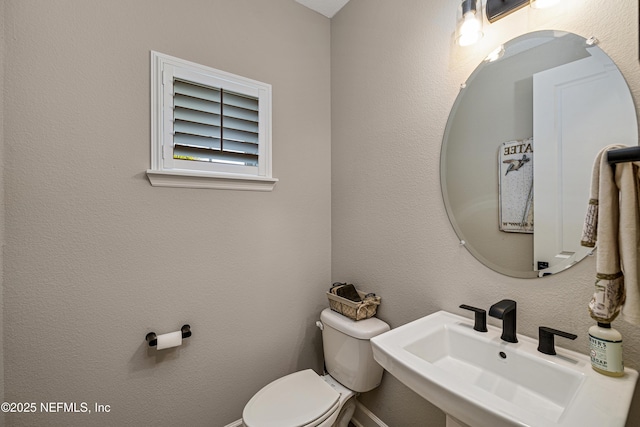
(95, 257)
(395, 76)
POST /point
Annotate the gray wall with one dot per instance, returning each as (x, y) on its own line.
(95, 257)
(395, 75)
(2, 207)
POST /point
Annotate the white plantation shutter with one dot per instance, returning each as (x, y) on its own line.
(210, 122)
(213, 125)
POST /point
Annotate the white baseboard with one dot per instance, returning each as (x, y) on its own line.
(362, 417)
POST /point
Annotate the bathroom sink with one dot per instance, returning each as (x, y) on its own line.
(480, 380)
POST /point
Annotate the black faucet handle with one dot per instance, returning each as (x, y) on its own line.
(480, 323)
(546, 342)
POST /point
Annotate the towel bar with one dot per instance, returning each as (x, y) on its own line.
(152, 337)
(622, 155)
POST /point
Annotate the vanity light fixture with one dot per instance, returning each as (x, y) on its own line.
(469, 18)
(497, 9)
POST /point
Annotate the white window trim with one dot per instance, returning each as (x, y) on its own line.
(161, 176)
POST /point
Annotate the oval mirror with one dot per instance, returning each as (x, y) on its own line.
(518, 150)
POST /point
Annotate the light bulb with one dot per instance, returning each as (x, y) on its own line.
(470, 30)
(469, 22)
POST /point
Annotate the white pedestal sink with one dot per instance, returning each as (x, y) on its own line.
(479, 380)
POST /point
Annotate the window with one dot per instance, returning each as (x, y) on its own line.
(209, 128)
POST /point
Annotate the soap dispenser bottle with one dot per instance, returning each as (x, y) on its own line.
(605, 345)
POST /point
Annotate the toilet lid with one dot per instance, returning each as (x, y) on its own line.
(297, 399)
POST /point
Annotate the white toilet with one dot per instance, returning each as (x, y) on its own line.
(305, 399)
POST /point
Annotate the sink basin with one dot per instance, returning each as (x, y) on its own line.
(480, 380)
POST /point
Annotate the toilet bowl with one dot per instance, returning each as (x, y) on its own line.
(306, 399)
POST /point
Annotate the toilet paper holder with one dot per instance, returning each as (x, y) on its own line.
(152, 337)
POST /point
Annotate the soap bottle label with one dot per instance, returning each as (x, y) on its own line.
(606, 355)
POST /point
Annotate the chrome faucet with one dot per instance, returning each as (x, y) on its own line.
(506, 310)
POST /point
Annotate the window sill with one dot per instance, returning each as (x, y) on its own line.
(218, 181)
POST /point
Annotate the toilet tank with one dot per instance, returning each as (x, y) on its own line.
(348, 356)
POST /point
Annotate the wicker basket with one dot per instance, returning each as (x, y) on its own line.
(354, 310)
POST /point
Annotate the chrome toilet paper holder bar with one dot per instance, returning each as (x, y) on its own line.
(152, 337)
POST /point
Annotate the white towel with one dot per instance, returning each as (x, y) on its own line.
(613, 220)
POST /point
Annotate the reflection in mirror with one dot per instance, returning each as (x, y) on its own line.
(518, 150)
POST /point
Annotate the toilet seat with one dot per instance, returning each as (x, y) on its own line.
(301, 399)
